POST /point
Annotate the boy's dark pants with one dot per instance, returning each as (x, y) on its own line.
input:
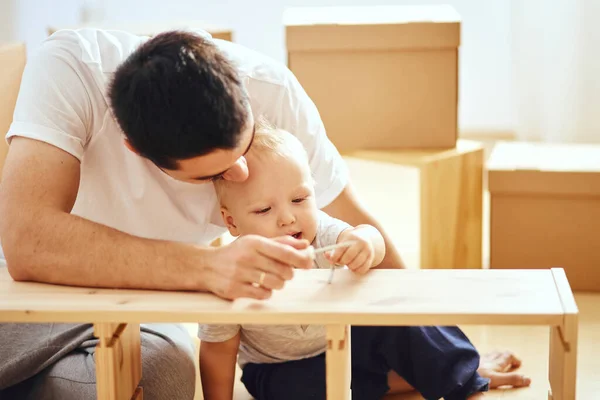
(439, 362)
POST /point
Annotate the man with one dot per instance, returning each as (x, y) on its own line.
(114, 140)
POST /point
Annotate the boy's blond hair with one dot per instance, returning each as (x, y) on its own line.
(269, 141)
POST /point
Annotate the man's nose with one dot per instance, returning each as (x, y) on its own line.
(238, 171)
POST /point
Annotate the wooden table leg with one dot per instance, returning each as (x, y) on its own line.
(563, 343)
(338, 363)
(563, 359)
(118, 361)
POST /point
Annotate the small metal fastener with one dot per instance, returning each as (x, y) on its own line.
(313, 253)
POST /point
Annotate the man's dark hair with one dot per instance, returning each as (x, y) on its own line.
(177, 97)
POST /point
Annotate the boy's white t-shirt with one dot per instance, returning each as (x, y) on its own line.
(63, 101)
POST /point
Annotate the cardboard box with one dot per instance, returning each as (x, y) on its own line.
(382, 77)
(151, 29)
(449, 204)
(12, 62)
(545, 209)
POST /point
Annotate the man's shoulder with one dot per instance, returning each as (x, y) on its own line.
(101, 50)
(254, 65)
(107, 49)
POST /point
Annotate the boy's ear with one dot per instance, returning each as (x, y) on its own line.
(229, 222)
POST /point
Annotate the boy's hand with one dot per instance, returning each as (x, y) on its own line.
(253, 266)
(358, 256)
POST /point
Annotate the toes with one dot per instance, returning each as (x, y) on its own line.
(500, 361)
(515, 361)
(509, 379)
(510, 361)
(492, 355)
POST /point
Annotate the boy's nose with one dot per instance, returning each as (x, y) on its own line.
(286, 218)
(238, 171)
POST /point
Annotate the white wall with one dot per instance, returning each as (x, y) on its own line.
(7, 20)
(555, 70)
(34, 16)
(485, 54)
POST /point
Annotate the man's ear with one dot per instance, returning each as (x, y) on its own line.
(130, 147)
(229, 222)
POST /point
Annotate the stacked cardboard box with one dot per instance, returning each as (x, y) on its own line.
(382, 77)
(385, 81)
(545, 209)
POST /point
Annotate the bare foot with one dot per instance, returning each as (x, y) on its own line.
(499, 368)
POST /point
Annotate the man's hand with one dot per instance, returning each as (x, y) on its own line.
(254, 266)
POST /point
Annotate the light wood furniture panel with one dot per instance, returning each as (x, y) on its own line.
(451, 198)
(382, 297)
(12, 64)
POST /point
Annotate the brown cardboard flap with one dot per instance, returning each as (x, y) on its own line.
(371, 28)
(544, 182)
(12, 64)
(544, 168)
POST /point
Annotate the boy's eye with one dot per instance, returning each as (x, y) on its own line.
(299, 200)
(263, 210)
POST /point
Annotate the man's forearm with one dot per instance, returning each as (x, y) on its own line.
(346, 207)
(56, 247)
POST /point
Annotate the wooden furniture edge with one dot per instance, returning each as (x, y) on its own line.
(562, 373)
(118, 361)
(338, 370)
(247, 317)
(565, 293)
(415, 157)
(13, 45)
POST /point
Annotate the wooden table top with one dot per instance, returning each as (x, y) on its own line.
(382, 297)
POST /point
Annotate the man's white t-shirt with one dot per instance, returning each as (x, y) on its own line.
(63, 101)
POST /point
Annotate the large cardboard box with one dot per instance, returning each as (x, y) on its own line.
(545, 209)
(381, 76)
(152, 28)
(12, 64)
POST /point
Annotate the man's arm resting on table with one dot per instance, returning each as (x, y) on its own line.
(347, 207)
(217, 368)
(42, 241)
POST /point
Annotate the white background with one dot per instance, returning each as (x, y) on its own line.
(509, 81)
